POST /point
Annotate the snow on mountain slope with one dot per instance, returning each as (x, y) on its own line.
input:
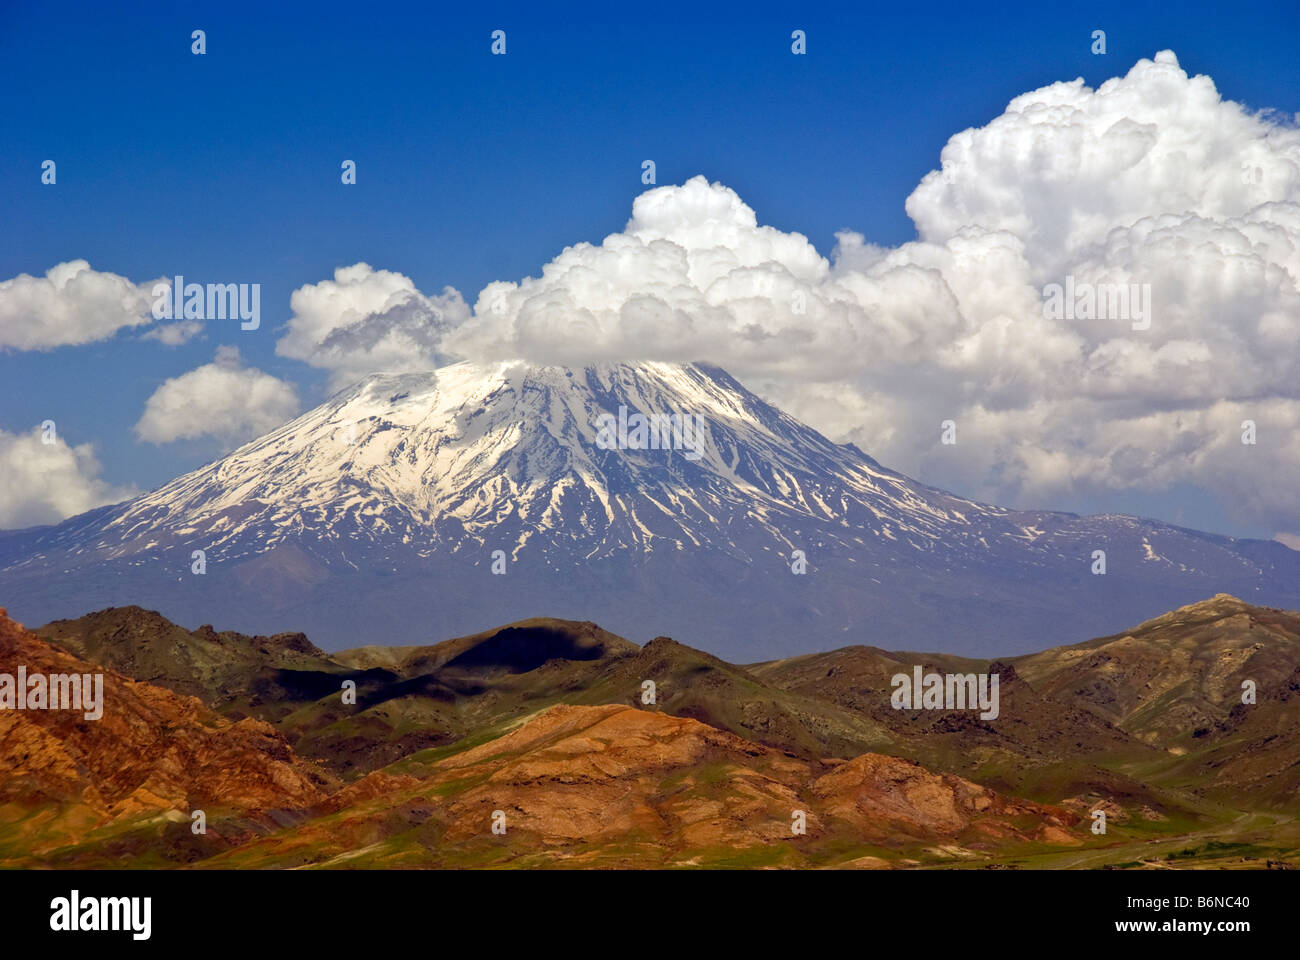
(381, 509)
(446, 462)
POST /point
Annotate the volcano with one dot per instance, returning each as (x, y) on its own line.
(653, 498)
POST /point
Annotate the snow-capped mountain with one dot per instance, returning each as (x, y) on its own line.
(412, 508)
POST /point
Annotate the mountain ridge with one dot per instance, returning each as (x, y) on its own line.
(1059, 706)
(405, 506)
(707, 772)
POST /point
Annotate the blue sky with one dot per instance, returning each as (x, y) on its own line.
(474, 168)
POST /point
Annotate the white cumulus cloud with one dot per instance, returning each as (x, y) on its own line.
(71, 304)
(369, 321)
(175, 334)
(223, 399)
(1152, 180)
(47, 482)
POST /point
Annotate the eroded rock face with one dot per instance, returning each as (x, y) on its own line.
(594, 774)
(879, 795)
(610, 785)
(151, 750)
(591, 774)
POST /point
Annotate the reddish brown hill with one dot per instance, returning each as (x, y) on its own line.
(619, 786)
(151, 751)
(581, 772)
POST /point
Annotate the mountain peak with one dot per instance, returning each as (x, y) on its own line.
(658, 498)
(631, 454)
(1222, 600)
(1219, 605)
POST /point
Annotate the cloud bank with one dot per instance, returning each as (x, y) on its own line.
(1151, 179)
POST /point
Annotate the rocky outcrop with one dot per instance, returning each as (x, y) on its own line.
(151, 750)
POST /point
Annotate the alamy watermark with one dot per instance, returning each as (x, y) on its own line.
(946, 691)
(56, 691)
(1098, 301)
(75, 913)
(656, 431)
(179, 300)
